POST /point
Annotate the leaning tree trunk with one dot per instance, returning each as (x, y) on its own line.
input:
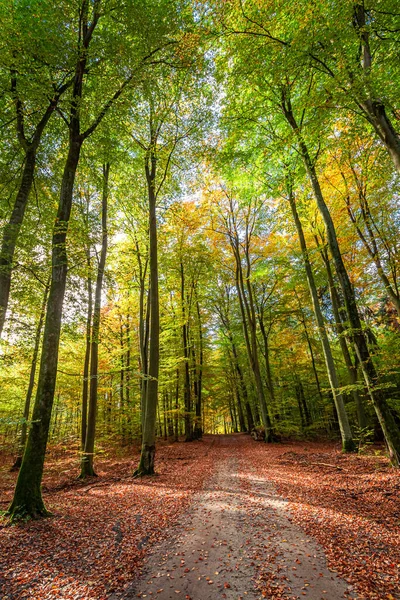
(24, 428)
(345, 431)
(12, 228)
(87, 469)
(11, 232)
(382, 409)
(351, 369)
(146, 463)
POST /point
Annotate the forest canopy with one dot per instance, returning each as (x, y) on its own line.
(199, 226)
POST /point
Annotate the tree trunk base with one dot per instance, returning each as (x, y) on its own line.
(146, 464)
(87, 469)
(349, 446)
(22, 511)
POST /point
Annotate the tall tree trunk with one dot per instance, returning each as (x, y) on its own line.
(146, 464)
(351, 369)
(382, 409)
(144, 331)
(28, 500)
(176, 419)
(87, 469)
(345, 431)
(122, 376)
(185, 341)
(85, 385)
(236, 394)
(24, 427)
(198, 432)
(128, 375)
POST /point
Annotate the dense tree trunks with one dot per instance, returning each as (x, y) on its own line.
(146, 464)
(351, 369)
(252, 350)
(223, 312)
(371, 245)
(382, 409)
(305, 416)
(87, 468)
(311, 351)
(268, 371)
(237, 395)
(247, 309)
(345, 431)
(27, 406)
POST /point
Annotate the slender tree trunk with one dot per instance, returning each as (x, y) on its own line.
(146, 464)
(345, 431)
(176, 420)
(198, 432)
(24, 427)
(85, 385)
(128, 375)
(185, 341)
(144, 330)
(122, 376)
(87, 469)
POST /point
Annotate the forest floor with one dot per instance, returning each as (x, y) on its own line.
(226, 517)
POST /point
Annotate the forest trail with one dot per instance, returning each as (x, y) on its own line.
(235, 525)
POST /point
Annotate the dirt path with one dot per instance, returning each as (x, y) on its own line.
(237, 532)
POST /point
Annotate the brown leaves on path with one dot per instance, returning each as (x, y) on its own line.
(101, 529)
(353, 511)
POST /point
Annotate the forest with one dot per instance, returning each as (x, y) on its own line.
(199, 240)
